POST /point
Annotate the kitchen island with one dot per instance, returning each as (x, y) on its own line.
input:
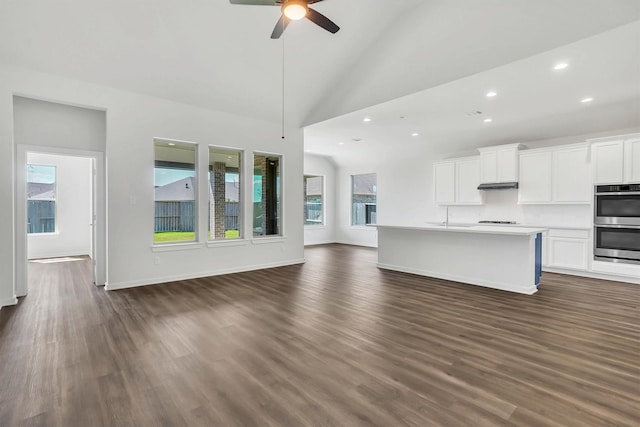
(506, 258)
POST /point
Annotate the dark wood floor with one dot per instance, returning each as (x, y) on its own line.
(333, 342)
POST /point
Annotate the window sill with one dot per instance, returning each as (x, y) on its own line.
(169, 247)
(314, 227)
(267, 239)
(364, 227)
(223, 243)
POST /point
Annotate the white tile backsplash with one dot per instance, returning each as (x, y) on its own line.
(502, 205)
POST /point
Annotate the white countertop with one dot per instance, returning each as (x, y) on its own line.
(555, 227)
(476, 229)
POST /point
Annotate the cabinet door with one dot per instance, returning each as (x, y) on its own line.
(545, 250)
(535, 178)
(467, 181)
(489, 166)
(507, 159)
(444, 182)
(568, 253)
(607, 159)
(572, 176)
(632, 160)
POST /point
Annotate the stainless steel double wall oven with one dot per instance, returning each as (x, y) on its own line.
(617, 223)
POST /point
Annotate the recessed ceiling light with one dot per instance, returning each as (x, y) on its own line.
(491, 94)
(585, 100)
(171, 143)
(307, 151)
(357, 139)
(366, 119)
(488, 120)
(403, 117)
(560, 66)
(415, 134)
(340, 143)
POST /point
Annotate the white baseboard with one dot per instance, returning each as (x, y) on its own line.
(347, 242)
(320, 242)
(462, 279)
(46, 255)
(594, 275)
(8, 301)
(166, 279)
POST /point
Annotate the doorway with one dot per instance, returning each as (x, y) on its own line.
(53, 218)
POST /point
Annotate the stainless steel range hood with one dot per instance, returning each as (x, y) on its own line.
(498, 186)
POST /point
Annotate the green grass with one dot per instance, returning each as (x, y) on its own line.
(186, 236)
(232, 234)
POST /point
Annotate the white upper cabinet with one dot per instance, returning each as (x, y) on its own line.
(488, 166)
(555, 175)
(571, 177)
(467, 181)
(456, 181)
(616, 161)
(632, 160)
(607, 162)
(535, 177)
(499, 163)
(444, 175)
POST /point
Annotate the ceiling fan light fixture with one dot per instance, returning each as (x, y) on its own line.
(295, 9)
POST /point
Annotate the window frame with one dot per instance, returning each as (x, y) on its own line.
(171, 143)
(322, 201)
(241, 194)
(351, 209)
(281, 202)
(55, 200)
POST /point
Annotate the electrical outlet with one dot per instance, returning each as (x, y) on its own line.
(156, 260)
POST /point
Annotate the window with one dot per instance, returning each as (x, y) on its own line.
(313, 195)
(41, 199)
(266, 195)
(175, 192)
(224, 193)
(363, 199)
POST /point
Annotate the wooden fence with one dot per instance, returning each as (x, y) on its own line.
(180, 216)
(41, 216)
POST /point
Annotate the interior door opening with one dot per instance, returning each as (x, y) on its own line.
(60, 211)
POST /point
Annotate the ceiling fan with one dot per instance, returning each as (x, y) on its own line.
(293, 10)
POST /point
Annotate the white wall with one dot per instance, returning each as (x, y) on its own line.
(73, 208)
(133, 121)
(322, 166)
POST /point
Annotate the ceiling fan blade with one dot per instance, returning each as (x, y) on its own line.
(255, 2)
(321, 20)
(280, 27)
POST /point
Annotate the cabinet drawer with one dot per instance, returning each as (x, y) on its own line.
(570, 234)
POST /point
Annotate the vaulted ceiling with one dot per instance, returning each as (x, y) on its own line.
(216, 55)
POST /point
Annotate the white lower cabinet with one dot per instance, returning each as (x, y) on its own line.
(567, 249)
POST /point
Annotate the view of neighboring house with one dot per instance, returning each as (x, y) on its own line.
(175, 205)
(40, 191)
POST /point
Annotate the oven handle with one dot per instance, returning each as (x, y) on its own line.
(635, 227)
(621, 193)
